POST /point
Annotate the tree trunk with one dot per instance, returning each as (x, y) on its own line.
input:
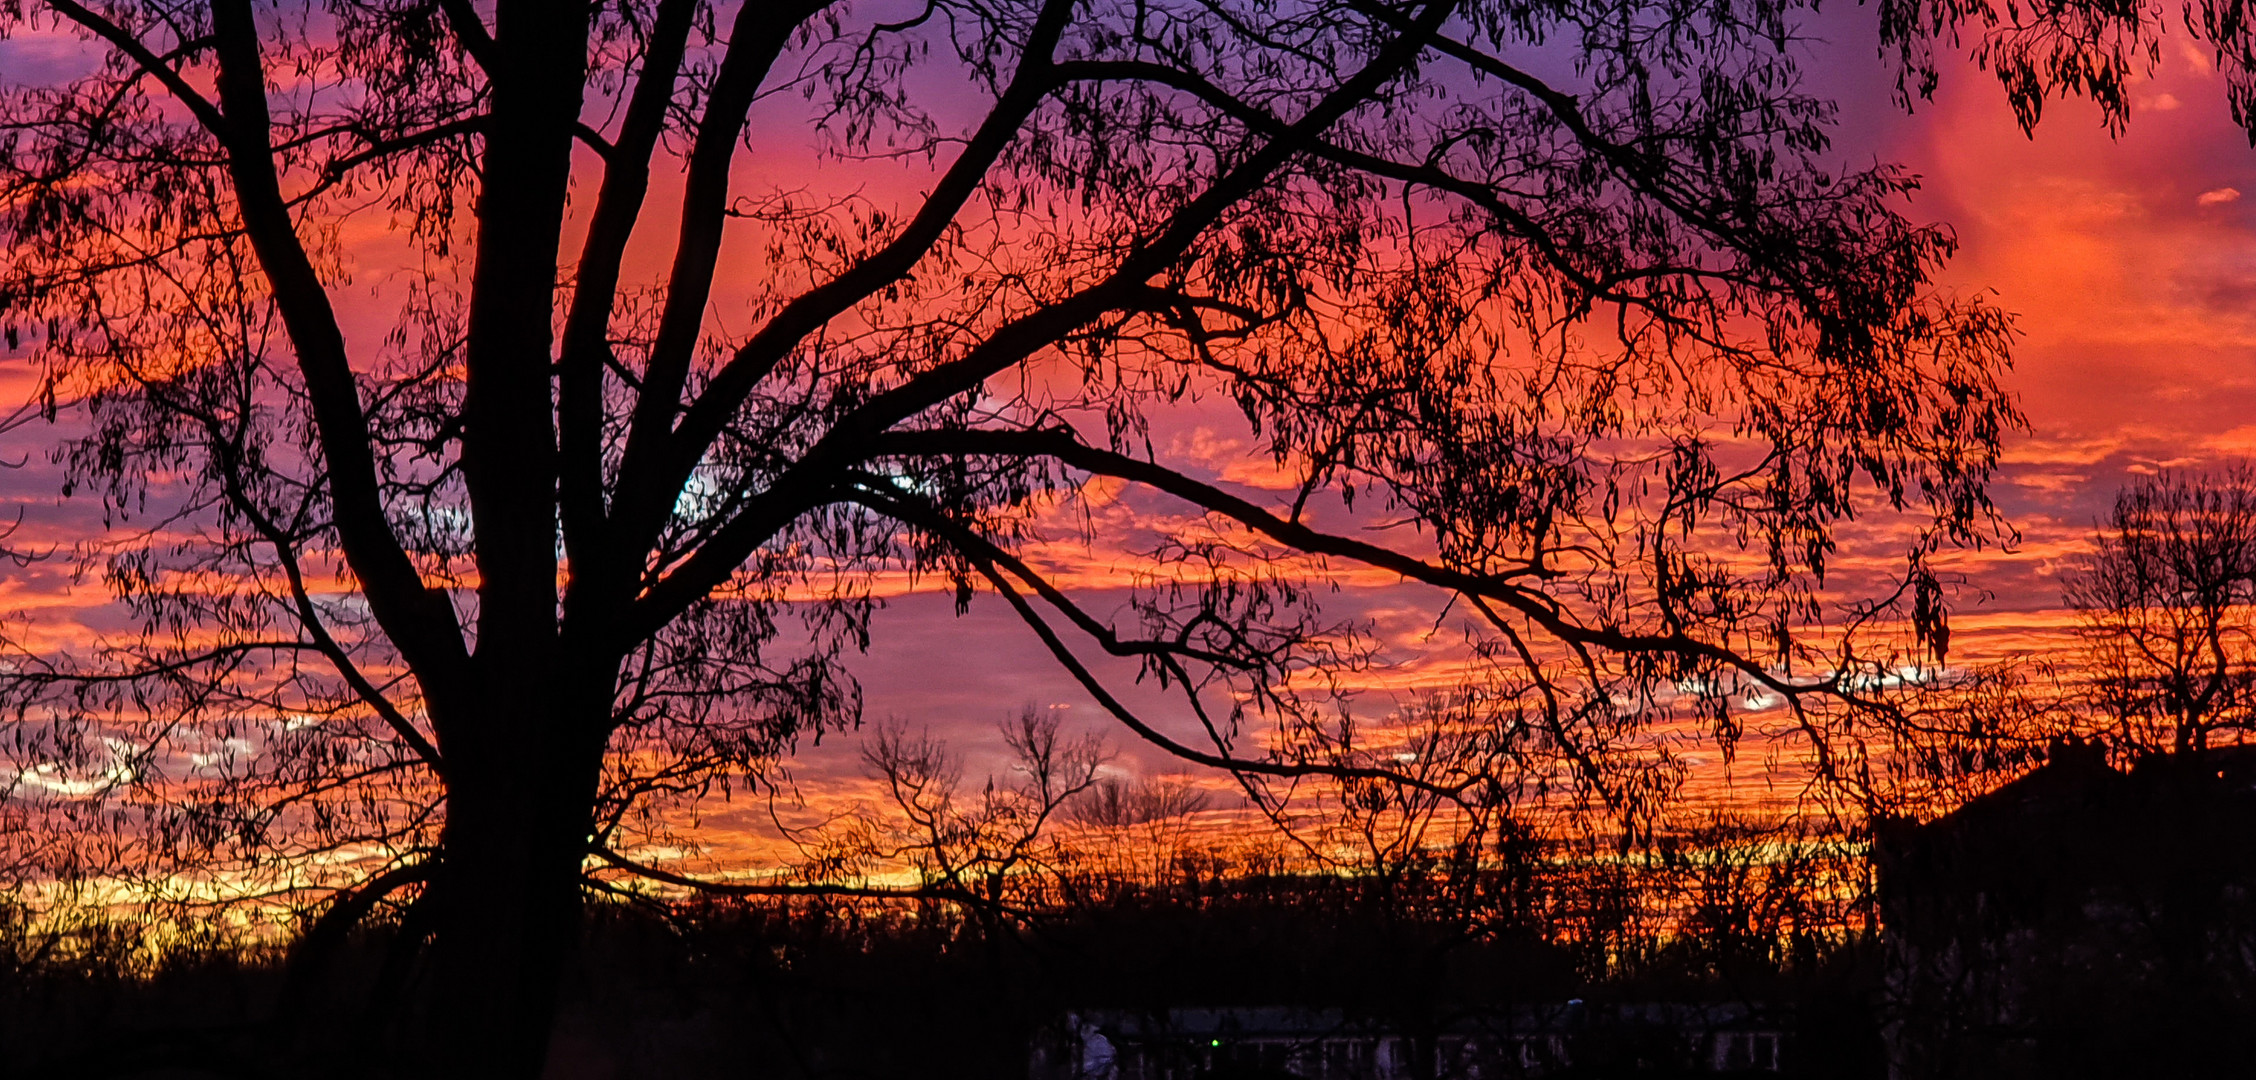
(508, 924)
(519, 791)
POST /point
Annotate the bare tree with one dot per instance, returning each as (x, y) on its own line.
(471, 609)
(974, 846)
(2167, 608)
(1117, 803)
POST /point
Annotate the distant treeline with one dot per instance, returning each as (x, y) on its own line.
(946, 986)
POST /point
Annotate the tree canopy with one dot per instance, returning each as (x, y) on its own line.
(586, 529)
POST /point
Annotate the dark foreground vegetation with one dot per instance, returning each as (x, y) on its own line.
(838, 989)
(2089, 919)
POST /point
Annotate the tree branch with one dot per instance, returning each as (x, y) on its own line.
(850, 439)
(310, 955)
(419, 620)
(911, 513)
(658, 457)
(730, 888)
(1062, 446)
(148, 62)
(586, 341)
(470, 32)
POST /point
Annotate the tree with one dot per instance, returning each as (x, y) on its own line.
(2162, 603)
(2095, 49)
(467, 607)
(2002, 719)
(2164, 607)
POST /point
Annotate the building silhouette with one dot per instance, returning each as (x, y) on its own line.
(2083, 920)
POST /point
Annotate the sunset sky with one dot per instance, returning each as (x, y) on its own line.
(2130, 263)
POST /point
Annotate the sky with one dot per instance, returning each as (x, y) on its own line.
(2130, 265)
(2129, 261)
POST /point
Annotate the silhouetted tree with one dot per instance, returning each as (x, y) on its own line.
(1115, 803)
(465, 587)
(977, 845)
(2166, 603)
(2094, 49)
(2165, 608)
